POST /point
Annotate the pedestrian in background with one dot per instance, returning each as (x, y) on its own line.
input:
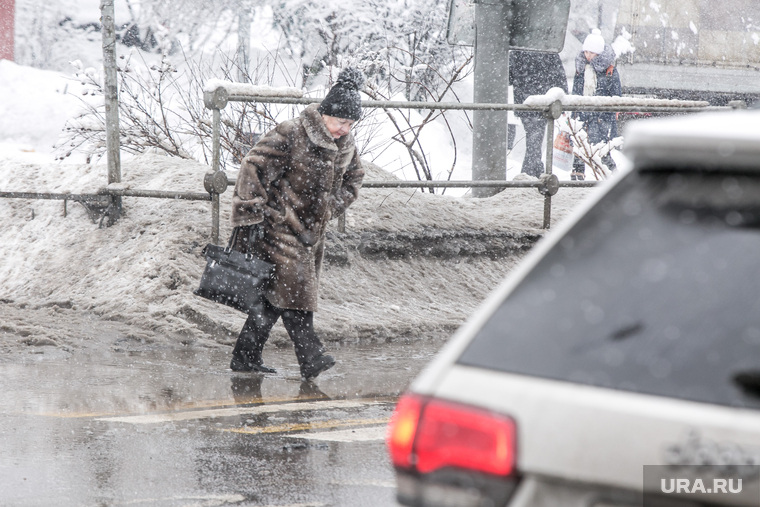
(596, 76)
(291, 183)
(534, 73)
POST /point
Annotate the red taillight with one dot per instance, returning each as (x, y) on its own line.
(402, 429)
(429, 434)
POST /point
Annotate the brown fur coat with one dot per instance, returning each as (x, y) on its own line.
(292, 182)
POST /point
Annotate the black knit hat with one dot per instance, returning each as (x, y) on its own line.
(343, 99)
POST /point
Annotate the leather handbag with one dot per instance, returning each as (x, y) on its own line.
(233, 278)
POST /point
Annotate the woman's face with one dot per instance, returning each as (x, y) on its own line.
(589, 55)
(338, 127)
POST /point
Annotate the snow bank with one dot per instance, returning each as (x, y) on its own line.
(66, 283)
(36, 105)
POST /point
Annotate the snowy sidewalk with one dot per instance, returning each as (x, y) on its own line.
(410, 265)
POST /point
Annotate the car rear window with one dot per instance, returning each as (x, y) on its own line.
(656, 290)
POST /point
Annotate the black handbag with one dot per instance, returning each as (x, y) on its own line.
(233, 278)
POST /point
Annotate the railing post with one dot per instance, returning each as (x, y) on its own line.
(554, 112)
(216, 140)
(216, 181)
(215, 196)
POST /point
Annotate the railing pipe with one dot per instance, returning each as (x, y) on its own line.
(55, 196)
(161, 194)
(382, 104)
(217, 181)
(462, 184)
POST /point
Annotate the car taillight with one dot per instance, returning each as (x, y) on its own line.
(402, 430)
(427, 434)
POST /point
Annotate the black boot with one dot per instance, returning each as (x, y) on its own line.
(316, 366)
(246, 356)
(309, 350)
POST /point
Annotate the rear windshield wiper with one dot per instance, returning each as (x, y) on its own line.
(749, 381)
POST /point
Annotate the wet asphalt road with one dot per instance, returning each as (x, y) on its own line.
(174, 427)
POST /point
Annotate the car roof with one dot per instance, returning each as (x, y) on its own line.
(713, 140)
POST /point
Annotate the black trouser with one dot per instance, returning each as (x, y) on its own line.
(535, 127)
(298, 323)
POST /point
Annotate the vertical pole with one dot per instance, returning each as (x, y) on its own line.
(549, 164)
(110, 87)
(216, 136)
(215, 204)
(554, 112)
(7, 29)
(549, 145)
(215, 197)
(489, 135)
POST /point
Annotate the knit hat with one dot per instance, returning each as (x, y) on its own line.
(594, 42)
(343, 99)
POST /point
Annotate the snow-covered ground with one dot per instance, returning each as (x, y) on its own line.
(66, 283)
(410, 266)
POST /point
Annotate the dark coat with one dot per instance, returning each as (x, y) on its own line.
(292, 182)
(600, 126)
(534, 73)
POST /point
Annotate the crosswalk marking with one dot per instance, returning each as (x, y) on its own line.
(237, 411)
(284, 428)
(366, 482)
(370, 434)
(179, 407)
(195, 500)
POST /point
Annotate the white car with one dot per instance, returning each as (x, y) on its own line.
(619, 365)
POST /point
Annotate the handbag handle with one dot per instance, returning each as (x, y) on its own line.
(254, 232)
(233, 239)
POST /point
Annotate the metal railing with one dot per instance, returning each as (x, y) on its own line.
(548, 184)
(216, 182)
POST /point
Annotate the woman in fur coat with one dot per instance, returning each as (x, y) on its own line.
(293, 181)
